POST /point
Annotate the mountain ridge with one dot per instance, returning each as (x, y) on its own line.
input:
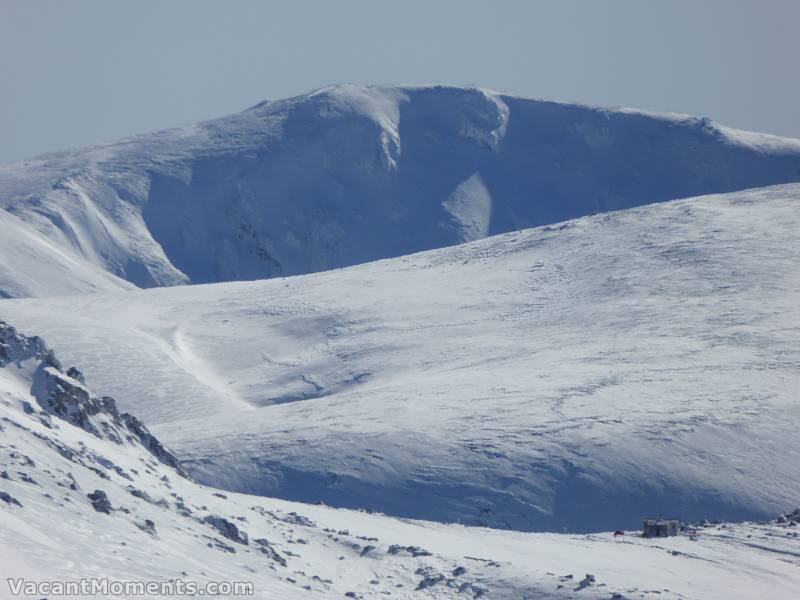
(348, 174)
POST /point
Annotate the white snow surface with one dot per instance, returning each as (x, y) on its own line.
(349, 174)
(581, 375)
(33, 265)
(49, 532)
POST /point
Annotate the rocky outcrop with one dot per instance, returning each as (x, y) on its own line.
(227, 529)
(15, 347)
(149, 441)
(100, 501)
(790, 519)
(63, 394)
(9, 499)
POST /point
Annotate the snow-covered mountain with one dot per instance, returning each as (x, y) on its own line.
(88, 496)
(350, 174)
(31, 264)
(580, 375)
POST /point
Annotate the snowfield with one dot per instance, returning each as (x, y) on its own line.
(350, 174)
(581, 375)
(84, 495)
(440, 343)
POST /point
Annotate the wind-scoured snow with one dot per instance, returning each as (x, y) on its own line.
(349, 174)
(581, 375)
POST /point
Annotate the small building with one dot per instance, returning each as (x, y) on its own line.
(660, 528)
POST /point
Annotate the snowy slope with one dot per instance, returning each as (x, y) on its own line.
(350, 174)
(81, 498)
(580, 375)
(33, 265)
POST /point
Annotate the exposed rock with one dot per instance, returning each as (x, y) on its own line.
(64, 395)
(265, 547)
(148, 526)
(149, 441)
(429, 578)
(790, 519)
(9, 499)
(227, 529)
(75, 374)
(60, 396)
(585, 582)
(220, 545)
(27, 478)
(141, 494)
(414, 551)
(182, 508)
(23, 458)
(100, 501)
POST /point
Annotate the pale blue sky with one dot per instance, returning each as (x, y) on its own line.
(84, 71)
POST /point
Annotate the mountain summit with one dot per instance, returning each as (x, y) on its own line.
(349, 174)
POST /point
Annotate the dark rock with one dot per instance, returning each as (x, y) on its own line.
(60, 396)
(75, 374)
(182, 508)
(27, 478)
(429, 578)
(23, 458)
(301, 520)
(414, 551)
(227, 529)
(585, 582)
(9, 499)
(148, 526)
(149, 441)
(100, 501)
(141, 494)
(266, 548)
(219, 545)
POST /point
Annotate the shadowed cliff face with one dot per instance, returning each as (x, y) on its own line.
(351, 174)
